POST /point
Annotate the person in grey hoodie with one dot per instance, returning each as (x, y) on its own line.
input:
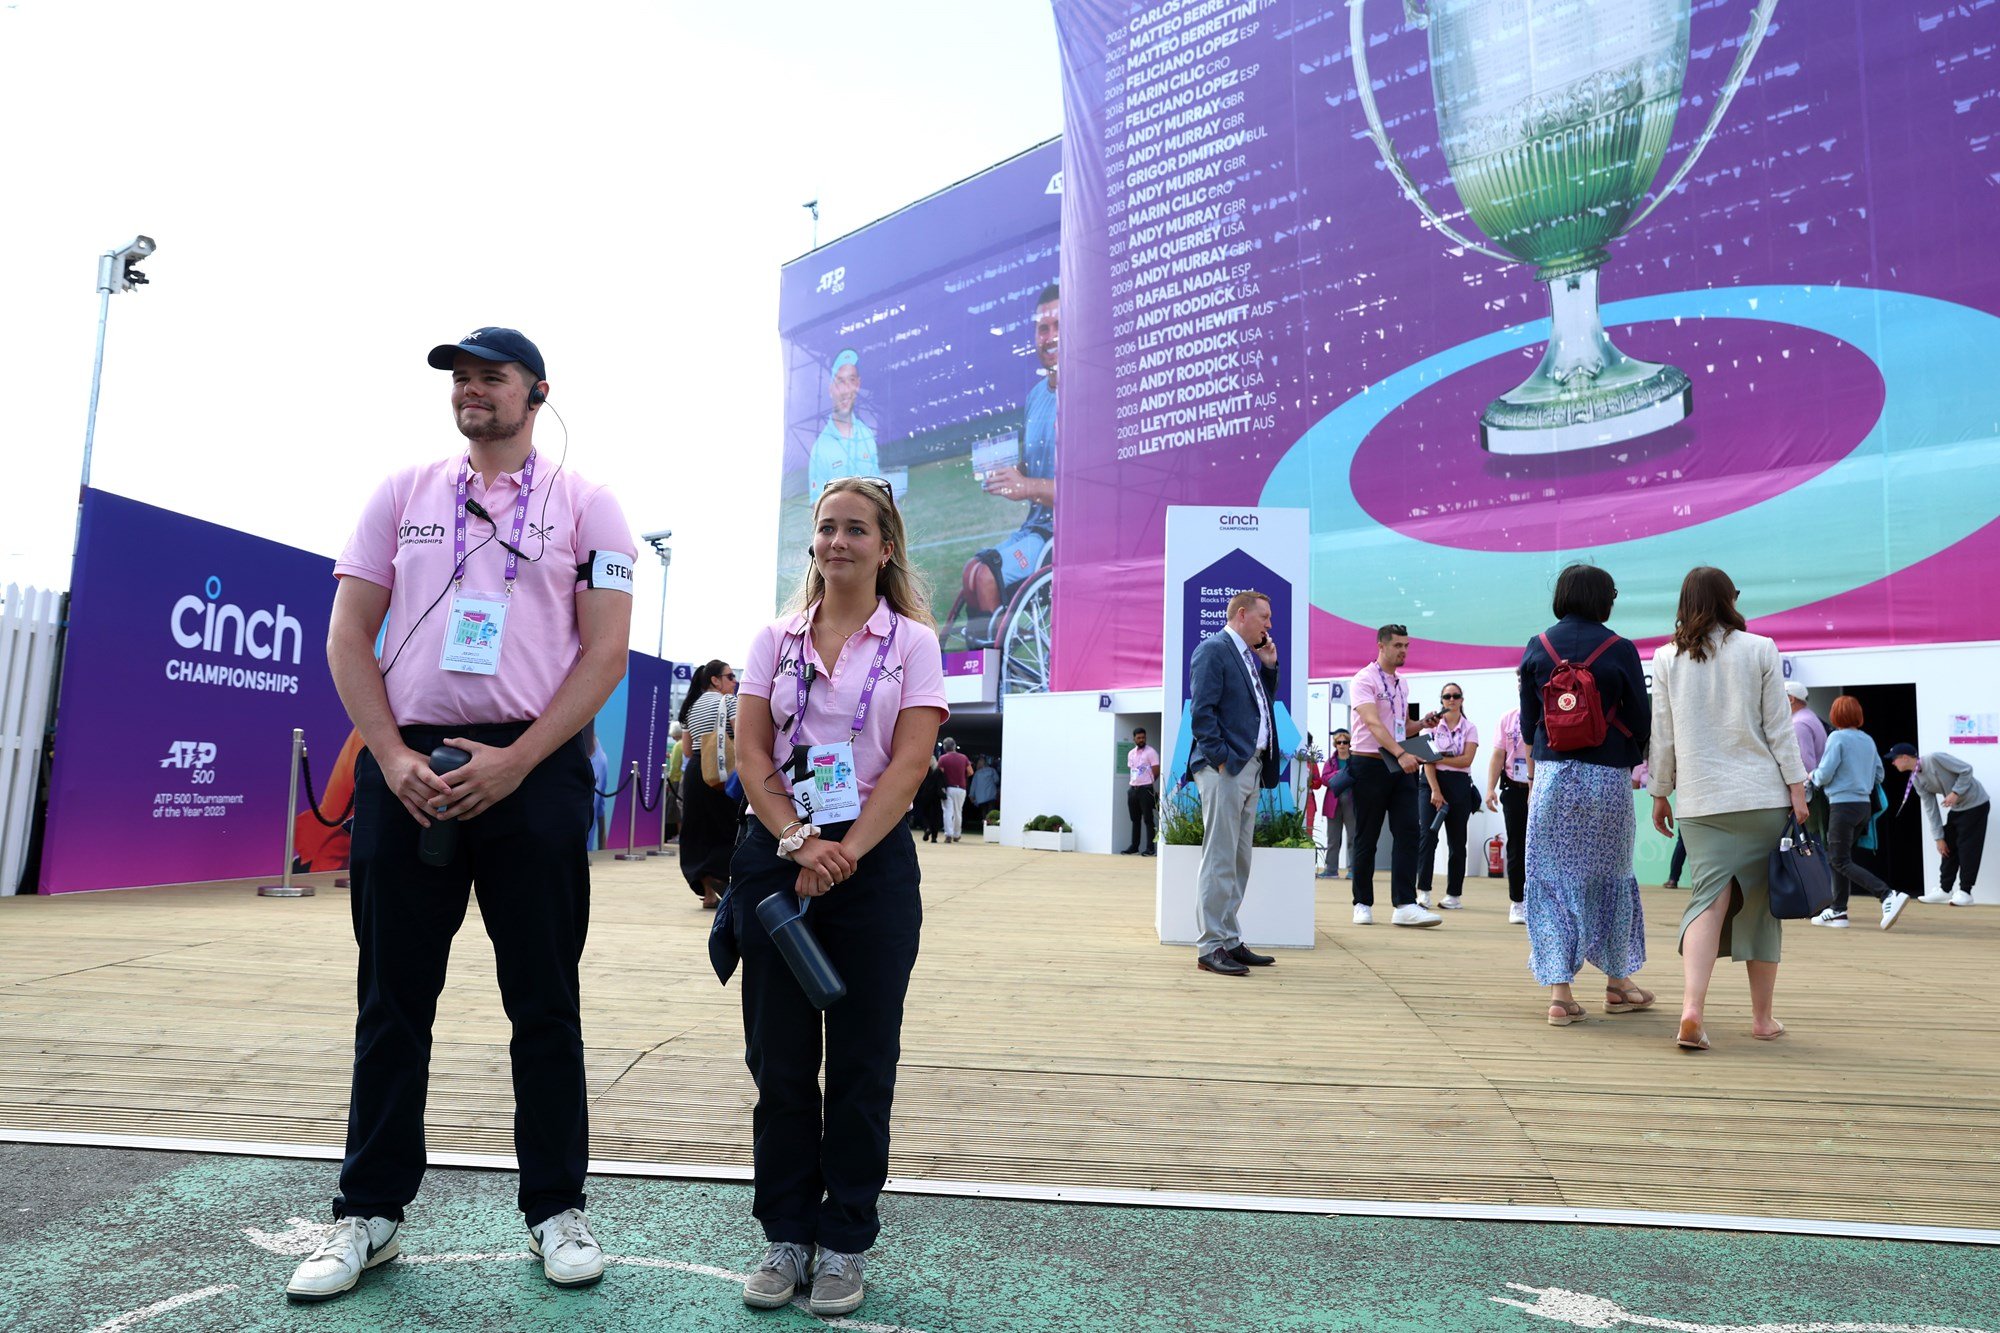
(1848, 772)
(1960, 836)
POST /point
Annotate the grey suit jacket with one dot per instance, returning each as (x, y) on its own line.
(1224, 708)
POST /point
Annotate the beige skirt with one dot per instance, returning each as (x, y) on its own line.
(1731, 854)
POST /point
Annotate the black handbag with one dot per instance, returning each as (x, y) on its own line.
(1801, 875)
(725, 949)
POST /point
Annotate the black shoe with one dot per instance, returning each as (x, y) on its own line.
(1130, 851)
(1248, 959)
(1218, 960)
(1148, 852)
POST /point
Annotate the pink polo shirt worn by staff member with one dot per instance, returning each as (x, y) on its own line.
(1448, 740)
(1391, 697)
(912, 677)
(404, 543)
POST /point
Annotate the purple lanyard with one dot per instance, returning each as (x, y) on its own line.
(867, 686)
(1397, 702)
(520, 520)
(1910, 788)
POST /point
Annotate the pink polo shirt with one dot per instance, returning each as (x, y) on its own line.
(1514, 745)
(1447, 739)
(912, 677)
(1391, 696)
(404, 543)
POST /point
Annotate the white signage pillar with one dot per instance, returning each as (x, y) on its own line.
(1212, 554)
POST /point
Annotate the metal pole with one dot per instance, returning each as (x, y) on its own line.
(631, 820)
(284, 888)
(661, 850)
(96, 380)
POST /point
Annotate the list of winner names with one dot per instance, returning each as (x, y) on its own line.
(1185, 309)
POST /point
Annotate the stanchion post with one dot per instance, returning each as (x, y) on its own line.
(661, 850)
(284, 888)
(631, 820)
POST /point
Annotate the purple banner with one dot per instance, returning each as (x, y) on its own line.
(922, 349)
(635, 724)
(193, 651)
(1781, 369)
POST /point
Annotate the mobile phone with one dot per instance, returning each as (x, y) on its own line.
(1265, 640)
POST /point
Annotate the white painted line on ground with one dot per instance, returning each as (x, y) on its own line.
(141, 1315)
(1561, 1306)
(1443, 1210)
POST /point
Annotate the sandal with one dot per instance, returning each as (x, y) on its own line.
(1770, 1036)
(1618, 999)
(1564, 1012)
(1692, 1036)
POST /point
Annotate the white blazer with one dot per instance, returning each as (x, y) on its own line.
(1722, 728)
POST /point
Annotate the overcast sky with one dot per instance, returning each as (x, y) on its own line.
(335, 189)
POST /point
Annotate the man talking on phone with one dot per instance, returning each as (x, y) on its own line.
(1235, 673)
(504, 583)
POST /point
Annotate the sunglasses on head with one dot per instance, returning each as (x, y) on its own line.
(1403, 630)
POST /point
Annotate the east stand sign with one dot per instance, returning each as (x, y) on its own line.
(1212, 554)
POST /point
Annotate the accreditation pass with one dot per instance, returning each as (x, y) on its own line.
(473, 632)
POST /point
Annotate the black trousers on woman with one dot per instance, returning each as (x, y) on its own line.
(1461, 800)
(820, 1163)
(1844, 822)
(1514, 809)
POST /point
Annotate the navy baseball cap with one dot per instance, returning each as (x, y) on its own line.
(1901, 750)
(492, 344)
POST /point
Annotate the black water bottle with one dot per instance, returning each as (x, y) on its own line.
(439, 843)
(800, 948)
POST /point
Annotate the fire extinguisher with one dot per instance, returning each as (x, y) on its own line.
(1496, 861)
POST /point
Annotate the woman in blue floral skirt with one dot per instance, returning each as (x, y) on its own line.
(1582, 900)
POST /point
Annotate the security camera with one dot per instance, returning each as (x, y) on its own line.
(115, 271)
(662, 535)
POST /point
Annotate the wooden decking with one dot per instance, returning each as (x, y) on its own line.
(1051, 1041)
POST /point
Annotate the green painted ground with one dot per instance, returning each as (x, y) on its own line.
(107, 1240)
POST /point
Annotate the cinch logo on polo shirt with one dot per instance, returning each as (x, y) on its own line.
(420, 534)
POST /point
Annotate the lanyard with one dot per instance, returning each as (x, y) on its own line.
(803, 680)
(1398, 693)
(520, 520)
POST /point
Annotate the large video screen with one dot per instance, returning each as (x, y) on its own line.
(924, 349)
(1490, 286)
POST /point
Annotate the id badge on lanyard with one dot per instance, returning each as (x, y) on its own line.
(476, 626)
(1401, 725)
(829, 790)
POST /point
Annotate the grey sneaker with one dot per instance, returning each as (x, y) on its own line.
(570, 1255)
(836, 1282)
(785, 1266)
(356, 1245)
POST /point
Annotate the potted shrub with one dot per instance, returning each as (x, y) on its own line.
(1279, 908)
(1048, 833)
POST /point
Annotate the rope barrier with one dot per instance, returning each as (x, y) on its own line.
(312, 796)
(608, 795)
(654, 804)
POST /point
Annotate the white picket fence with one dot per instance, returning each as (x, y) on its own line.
(29, 620)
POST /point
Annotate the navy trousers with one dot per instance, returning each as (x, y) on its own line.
(820, 1162)
(526, 858)
(1382, 790)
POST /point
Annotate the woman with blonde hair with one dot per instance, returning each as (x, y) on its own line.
(840, 704)
(1723, 739)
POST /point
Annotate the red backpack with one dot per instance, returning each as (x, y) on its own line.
(1572, 709)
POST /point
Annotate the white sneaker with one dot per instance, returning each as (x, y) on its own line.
(1960, 898)
(1892, 907)
(1410, 914)
(1826, 914)
(1454, 902)
(356, 1245)
(1836, 922)
(1364, 915)
(1424, 900)
(1515, 916)
(1936, 898)
(570, 1256)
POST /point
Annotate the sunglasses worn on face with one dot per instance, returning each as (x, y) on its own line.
(1453, 696)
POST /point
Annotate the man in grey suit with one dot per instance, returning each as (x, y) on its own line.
(1235, 673)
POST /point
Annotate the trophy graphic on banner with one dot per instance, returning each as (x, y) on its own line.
(1555, 116)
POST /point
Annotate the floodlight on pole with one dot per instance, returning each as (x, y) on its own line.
(658, 541)
(116, 272)
(812, 206)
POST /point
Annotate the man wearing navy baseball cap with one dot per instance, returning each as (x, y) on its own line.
(505, 588)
